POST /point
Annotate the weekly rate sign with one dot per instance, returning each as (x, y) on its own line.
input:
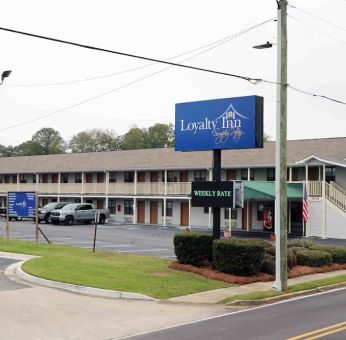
(212, 194)
(230, 123)
(21, 204)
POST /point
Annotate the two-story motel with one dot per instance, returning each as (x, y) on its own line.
(153, 186)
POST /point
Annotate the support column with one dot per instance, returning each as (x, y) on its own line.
(247, 215)
(190, 214)
(107, 188)
(165, 182)
(59, 184)
(248, 174)
(210, 209)
(82, 183)
(135, 183)
(17, 182)
(324, 227)
(164, 211)
(134, 210)
(290, 174)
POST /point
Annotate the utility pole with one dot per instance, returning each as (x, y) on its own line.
(281, 151)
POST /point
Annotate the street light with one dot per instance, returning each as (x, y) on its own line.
(4, 75)
(280, 148)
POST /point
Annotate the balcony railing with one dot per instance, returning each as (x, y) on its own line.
(315, 188)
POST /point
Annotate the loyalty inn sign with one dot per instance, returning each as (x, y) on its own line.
(231, 123)
(212, 194)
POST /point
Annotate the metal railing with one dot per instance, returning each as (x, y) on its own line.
(336, 196)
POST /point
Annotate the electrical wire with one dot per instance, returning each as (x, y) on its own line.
(315, 95)
(249, 79)
(206, 48)
(317, 29)
(317, 17)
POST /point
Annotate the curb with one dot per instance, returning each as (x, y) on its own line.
(16, 269)
(285, 296)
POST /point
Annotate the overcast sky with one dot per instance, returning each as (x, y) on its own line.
(146, 93)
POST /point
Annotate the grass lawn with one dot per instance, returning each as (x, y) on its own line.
(291, 289)
(124, 272)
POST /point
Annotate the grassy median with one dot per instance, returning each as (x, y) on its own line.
(109, 270)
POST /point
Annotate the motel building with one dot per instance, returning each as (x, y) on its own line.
(153, 186)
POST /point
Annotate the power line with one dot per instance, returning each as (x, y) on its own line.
(317, 29)
(317, 17)
(316, 95)
(249, 79)
(205, 48)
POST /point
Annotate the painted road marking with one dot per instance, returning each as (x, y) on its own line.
(319, 333)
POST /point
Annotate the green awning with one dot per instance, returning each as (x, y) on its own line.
(260, 190)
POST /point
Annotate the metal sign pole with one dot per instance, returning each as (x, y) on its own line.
(97, 216)
(36, 217)
(216, 178)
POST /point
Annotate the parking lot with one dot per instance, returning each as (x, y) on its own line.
(136, 239)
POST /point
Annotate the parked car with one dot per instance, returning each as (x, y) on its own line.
(78, 212)
(10, 218)
(44, 213)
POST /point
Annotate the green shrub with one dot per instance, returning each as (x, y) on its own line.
(338, 252)
(291, 257)
(313, 258)
(265, 244)
(237, 256)
(296, 249)
(193, 248)
(300, 243)
(268, 264)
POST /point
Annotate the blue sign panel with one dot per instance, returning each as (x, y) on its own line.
(230, 123)
(21, 204)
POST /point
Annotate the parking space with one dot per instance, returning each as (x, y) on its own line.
(136, 239)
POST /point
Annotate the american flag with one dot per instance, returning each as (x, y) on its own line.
(305, 206)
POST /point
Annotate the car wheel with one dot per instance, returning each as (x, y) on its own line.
(69, 220)
(47, 218)
(55, 222)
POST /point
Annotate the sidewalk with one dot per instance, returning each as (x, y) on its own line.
(214, 296)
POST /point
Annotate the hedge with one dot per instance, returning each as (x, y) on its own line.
(338, 252)
(268, 264)
(313, 258)
(291, 257)
(193, 248)
(238, 256)
(300, 243)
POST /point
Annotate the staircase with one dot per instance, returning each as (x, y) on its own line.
(336, 195)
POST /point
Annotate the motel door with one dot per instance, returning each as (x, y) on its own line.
(99, 204)
(140, 211)
(184, 213)
(153, 212)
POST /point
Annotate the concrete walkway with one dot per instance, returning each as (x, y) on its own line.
(217, 295)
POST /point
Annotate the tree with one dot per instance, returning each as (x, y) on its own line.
(29, 148)
(95, 140)
(161, 135)
(135, 138)
(49, 140)
(7, 151)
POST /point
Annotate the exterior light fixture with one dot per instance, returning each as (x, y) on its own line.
(4, 75)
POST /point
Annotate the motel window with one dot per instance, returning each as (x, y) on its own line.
(200, 175)
(14, 178)
(33, 178)
(330, 174)
(271, 174)
(244, 174)
(78, 177)
(234, 214)
(169, 208)
(169, 176)
(128, 177)
(89, 177)
(7, 178)
(128, 207)
(64, 178)
(112, 177)
(23, 179)
(112, 206)
(0, 179)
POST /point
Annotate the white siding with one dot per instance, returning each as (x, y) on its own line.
(335, 221)
(314, 226)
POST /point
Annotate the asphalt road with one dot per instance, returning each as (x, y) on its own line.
(136, 239)
(5, 283)
(284, 320)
